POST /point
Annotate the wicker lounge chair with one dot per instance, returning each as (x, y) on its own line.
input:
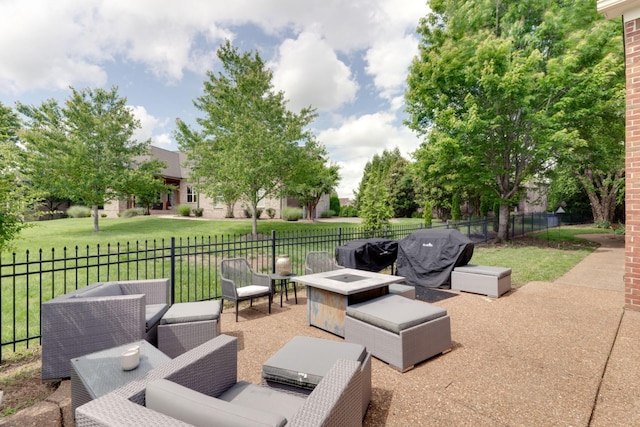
(97, 317)
(203, 381)
(319, 262)
(241, 283)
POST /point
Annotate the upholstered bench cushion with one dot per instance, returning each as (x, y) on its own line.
(304, 361)
(187, 312)
(153, 314)
(498, 272)
(245, 291)
(263, 398)
(198, 409)
(394, 313)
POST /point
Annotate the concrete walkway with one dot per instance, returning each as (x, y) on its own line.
(547, 354)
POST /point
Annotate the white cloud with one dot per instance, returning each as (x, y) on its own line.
(148, 123)
(357, 139)
(310, 73)
(162, 140)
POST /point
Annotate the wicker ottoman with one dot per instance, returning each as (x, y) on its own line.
(397, 330)
(299, 366)
(481, 279)
(187, 325)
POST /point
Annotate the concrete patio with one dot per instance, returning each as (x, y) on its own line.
(547, 354)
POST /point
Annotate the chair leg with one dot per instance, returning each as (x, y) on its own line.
(295, 293)
(237, 311)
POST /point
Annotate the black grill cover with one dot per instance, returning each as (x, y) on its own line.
(367, 254)
(427, 257)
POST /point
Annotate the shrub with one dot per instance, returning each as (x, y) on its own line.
(103, 215)
(271, 212)
(258, 213)
(78, 212)
(291, 214)
(334, 203)
(130, 213)
(183, 210)
(198, 212)
(247, 212)
(428, 214)
(327, 214)
(603, 224)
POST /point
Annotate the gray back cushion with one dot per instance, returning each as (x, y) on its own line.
(153, 313)
(201, 410)
(394, 313)
(107, 289)
(304, 361)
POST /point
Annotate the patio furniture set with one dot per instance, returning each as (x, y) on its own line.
(187, 369)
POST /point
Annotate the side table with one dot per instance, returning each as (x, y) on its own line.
(99, 373)
(283, 281)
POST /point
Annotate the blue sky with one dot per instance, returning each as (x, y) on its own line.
(348, 59)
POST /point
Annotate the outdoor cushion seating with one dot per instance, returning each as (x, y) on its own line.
(481, 279)
(397, 330)
(97, 317)
(241, 283)
(200, 388)
(187, 325)
(301, 364)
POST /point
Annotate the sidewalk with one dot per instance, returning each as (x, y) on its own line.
(546, 354)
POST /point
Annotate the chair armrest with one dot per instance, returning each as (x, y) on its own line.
(158, 291)
(77, 326)
(228, 288)
(261, 279)
(336, 400)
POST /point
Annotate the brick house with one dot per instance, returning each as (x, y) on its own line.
(178, 175)
(629, 10)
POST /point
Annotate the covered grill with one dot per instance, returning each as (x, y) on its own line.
(427, 257)
(368, 254)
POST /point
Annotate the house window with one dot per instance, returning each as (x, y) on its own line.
(218, 202)
(192, 195)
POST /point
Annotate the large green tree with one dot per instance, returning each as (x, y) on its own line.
(16, 195)
(314, 178)
(483, 90)
(84, 151)
(248, 142)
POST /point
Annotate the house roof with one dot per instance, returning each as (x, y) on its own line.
(174, 160)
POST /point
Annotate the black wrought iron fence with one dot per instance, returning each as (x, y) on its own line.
(27, 280)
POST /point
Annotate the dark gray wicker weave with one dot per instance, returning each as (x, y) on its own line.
(241, 283)
(73, 326)
(211, 368)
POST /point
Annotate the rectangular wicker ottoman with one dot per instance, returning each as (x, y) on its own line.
(300, 365)
(481, 279)
(187, 325)
(398, 330)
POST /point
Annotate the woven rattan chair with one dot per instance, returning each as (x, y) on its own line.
(241, 283)
(319, 262)
(208, 374)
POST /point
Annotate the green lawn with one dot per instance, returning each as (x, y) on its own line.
(544, 258)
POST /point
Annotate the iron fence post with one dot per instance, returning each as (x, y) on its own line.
(172, 268)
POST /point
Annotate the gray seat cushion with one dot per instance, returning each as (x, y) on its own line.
(485, 270)
(198, 409)
(107, 289)
(394, 313)
(192, 312)
(304, 361)
(263, 398)
(153, 313)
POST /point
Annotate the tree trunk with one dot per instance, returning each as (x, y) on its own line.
(503, 223)
(602, 192)
(96, 228)
(254, 219)
(311, 211)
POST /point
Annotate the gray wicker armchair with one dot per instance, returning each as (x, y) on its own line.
(97, 317)
(319, 262)
(204, 381)
(241, 283)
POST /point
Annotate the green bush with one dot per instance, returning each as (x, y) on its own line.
(247, 212)
(428, 214)
(183, 210)
(603, 224)
(258, 213)
(129, 213)
(334, 203)
(78, 212)
(271, 213)
(103, 215)
(348, 211)
(198, 212)
(327, 214)
(291, 214)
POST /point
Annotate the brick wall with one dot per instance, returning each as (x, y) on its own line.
(632, 245)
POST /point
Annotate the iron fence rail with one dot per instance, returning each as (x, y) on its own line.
(28, 280)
